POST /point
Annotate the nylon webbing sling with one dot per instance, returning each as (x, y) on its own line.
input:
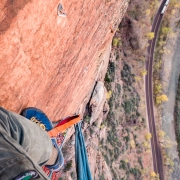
(64, 124)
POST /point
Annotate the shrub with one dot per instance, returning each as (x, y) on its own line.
(116, 152)
(138, 114)
(128, 130)
(110, 152)
(107, 78)
(111, 68)
(73, 175)
(122, 165)
(68, 166)
(118, 87)
(127, 68)
(136, 172)
(91, 131)
(101, 177)
(111, 103)
(143, 120)
(119, 144)
(106, 159)
(128, 106)
(126, 138)
(114, 175)
(87, 119)
(94, 124)
(112, 137)
(117, 57)
(140, 162)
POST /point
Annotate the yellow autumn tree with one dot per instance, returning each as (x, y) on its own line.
(115, 42)
(161, 98)
(126, 160)
(166, 30)
(137, 78)
(132, 144)
(150, 35)
(158, 65)
(161, 133)
(108, 95)
(148, 136)
(146, 145)
(148, 12)
(158, 88)
(154, 176)
(143, 72)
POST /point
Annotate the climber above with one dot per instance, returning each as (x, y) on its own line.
(60, 11)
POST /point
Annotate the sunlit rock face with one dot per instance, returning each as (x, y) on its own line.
(49, 61)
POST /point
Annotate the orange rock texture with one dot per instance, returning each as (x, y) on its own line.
(48, 61)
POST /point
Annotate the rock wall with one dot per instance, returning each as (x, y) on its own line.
(51, 62)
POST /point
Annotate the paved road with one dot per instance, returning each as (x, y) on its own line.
(156, 151)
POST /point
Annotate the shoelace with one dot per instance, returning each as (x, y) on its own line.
(38, 122)
(60, 136)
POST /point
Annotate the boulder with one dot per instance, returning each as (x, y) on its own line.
(97, 101)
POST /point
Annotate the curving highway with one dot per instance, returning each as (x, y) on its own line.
(156, 150)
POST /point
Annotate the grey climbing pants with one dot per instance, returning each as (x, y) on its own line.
(24, 147)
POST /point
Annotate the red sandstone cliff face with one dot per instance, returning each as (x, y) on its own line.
(48, 61)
